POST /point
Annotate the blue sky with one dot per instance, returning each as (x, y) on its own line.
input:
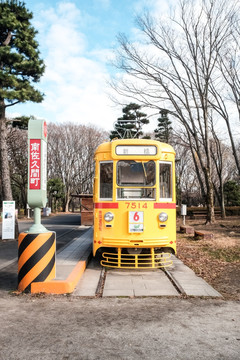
(76, 39)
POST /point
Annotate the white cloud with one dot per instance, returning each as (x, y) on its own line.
(74, 82)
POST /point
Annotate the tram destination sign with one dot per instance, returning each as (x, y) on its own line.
(136, 150)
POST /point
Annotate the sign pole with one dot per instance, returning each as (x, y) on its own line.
(37, 246)
(183, 212)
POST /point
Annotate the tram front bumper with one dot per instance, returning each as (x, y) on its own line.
(152, 260)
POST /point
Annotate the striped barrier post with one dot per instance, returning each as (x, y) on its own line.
(36, 258)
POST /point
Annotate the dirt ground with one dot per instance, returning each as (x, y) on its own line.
(47, 327)
(67, 328)
(216, 260)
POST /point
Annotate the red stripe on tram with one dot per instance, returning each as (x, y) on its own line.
(164, 206)
(106, 205)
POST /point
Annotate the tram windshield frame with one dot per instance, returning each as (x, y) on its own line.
(136, 173)
(136, 180)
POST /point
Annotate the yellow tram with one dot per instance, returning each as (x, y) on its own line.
(134, 203)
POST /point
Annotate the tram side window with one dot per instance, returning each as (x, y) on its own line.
(165, 174)
(106, 180)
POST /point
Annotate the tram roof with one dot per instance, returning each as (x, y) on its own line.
(107, 146)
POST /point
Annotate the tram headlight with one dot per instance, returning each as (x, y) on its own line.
(108, 216)
(163, 217)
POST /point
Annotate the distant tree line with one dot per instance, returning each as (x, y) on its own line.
(71, 150)
(70, 162)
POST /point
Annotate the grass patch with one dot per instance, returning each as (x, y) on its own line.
(226, 254)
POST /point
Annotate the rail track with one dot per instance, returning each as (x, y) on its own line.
(177, 280)
(105, 273)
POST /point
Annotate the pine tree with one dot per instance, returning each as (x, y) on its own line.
(21, 122)
(20, 68)
(130, 124)
(164, 129)
(232, 193)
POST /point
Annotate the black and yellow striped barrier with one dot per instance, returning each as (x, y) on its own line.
(36, 259)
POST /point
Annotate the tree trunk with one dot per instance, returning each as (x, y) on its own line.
(67, 200)
(5, 172)
(234, 151)
(210, 200)
(223, 210)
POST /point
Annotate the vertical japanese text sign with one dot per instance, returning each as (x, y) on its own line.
(37, 163)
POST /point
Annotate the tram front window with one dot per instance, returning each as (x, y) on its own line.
(136, 179)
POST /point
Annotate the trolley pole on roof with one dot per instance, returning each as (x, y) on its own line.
(37, 246)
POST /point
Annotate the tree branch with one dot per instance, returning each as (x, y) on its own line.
(8, 39)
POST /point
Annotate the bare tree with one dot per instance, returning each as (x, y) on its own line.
(18, 161)
(4, 171)
(189, 190)
(222, 160)
(227, 96)
(70, 156)
(174, 69)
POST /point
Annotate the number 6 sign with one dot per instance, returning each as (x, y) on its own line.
(136, 216)
(135, 221)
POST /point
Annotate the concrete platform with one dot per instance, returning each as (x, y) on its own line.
(88, 284)
(189, 282)
(77, 250)
(71, 263)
